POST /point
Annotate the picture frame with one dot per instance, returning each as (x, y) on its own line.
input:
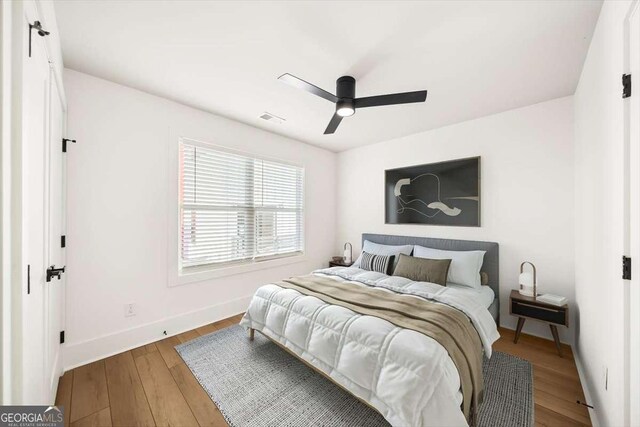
(441, 193)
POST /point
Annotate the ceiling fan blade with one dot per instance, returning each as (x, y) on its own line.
(301, 84)
(391, 99)
(333, 124)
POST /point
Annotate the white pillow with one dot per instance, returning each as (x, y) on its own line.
(378, 249)
(465, 265)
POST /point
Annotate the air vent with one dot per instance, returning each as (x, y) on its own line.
(271, 118)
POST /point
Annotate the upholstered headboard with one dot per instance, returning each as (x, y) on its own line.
(491, 264)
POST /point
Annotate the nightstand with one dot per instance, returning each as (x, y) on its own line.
(529, 308)
(339, 264)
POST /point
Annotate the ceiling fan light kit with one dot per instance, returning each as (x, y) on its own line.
(345, 108)
(345, 98)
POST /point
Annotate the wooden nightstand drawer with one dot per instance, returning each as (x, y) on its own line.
(548, 314)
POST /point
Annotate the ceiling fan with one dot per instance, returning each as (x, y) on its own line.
(345, 98)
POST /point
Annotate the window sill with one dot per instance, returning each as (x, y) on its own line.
(215, 272)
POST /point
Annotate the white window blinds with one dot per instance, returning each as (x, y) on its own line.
(237, 209)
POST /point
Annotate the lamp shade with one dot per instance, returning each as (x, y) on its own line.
(348, 253)
(526, 284)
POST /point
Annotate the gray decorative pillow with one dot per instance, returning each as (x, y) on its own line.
(379, 263)
(423, 269)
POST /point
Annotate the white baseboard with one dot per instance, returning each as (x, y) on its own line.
(88, 351)
(585, 389)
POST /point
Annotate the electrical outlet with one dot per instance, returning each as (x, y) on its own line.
(129, 310)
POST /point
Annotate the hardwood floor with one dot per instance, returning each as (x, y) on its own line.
(147, 386)
(151, 385)
(556, 385)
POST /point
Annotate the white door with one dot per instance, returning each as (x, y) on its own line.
(634, 217)
(54, 290)
(43, 216)
(34, 166)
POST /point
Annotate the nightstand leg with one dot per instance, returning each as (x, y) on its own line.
(519, 329)
(556, 338)
(251, 334)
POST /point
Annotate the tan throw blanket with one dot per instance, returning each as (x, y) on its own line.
(448, 326)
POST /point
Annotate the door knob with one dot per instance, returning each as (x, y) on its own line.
(54, 272)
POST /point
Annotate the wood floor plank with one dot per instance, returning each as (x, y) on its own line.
(236, 319)
(129, 406)
(203, 408)
(547, 418)
(560, 386)
(539, 342)
(188, 336)
(568, 409)
(541, 345)
(168, 352)
(63, 396)
(144, 349)
(569, 380)
(91, 395)
(167, 403)
(98, 419)
(562, 365)
(212, 327)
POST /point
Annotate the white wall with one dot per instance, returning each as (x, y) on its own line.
(526, 190)
(117, 217)
(600, 208)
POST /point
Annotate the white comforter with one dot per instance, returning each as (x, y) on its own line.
(408, 377)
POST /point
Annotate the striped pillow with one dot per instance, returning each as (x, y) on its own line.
(379, 263)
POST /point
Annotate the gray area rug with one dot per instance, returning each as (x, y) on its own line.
(259, 384)
(508, 392)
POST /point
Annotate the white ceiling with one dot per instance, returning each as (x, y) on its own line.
(475, 58)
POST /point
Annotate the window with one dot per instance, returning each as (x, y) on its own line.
(237, 209)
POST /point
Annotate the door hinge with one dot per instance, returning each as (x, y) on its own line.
(64, 143)
(626, 268)
(61, 337)
(28, 279)
(63, 241)
(626, 85)
(41, 32)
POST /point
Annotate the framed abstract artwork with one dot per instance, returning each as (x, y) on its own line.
(444, 193)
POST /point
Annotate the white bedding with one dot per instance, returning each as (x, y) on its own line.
(408, 377)
(485, 293)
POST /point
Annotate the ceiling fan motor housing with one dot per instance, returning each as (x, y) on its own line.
(346, 92)
(346, 87)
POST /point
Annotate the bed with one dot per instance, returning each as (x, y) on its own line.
(410, 350)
